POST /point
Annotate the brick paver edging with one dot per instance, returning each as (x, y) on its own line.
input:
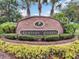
(39, 43)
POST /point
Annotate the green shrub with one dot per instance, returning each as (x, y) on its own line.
(66, 36)
(8, 27)
(1, 31)
(71, 28)
(51, 38)
(61, 17)
(28, 37)
(39, 38)
(24, 37)
(77, 32)
(58, 37)
(10, 36)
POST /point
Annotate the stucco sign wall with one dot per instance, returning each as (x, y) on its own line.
(39, 25)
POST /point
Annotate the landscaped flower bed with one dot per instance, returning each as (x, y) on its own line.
(40, 52)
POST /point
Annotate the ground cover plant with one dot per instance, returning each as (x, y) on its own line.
(40, 52)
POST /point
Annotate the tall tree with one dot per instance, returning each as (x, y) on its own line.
(72, 12)
(8, 10)
(53, 4)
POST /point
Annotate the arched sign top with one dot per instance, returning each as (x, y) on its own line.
(39, 25)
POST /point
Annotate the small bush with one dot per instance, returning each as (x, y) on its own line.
(71, 28)
(66, 36)
(1, 31)
(10, 36)
(8, 27)
(51, 38)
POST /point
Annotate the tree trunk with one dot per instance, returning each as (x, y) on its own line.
(39, 7)
(28, 11)
(52, 10)
(28, 8)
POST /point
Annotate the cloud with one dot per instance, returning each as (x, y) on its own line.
(47, 13)
(35, 14)
(64, 3)
(67, 0)
(23, 12)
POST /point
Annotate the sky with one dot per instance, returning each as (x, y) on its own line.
(45, 8)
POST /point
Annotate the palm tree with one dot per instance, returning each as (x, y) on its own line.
(53, 4)
(39, 7)
(28, 2)
(28, 7)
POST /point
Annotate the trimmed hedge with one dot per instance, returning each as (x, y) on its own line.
(58, 37)
(28, 37)
(66, 36)
(39, 38)
(51, 38)
(10, 36)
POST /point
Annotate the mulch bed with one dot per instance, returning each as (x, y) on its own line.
(39, 42)
(6, 56)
